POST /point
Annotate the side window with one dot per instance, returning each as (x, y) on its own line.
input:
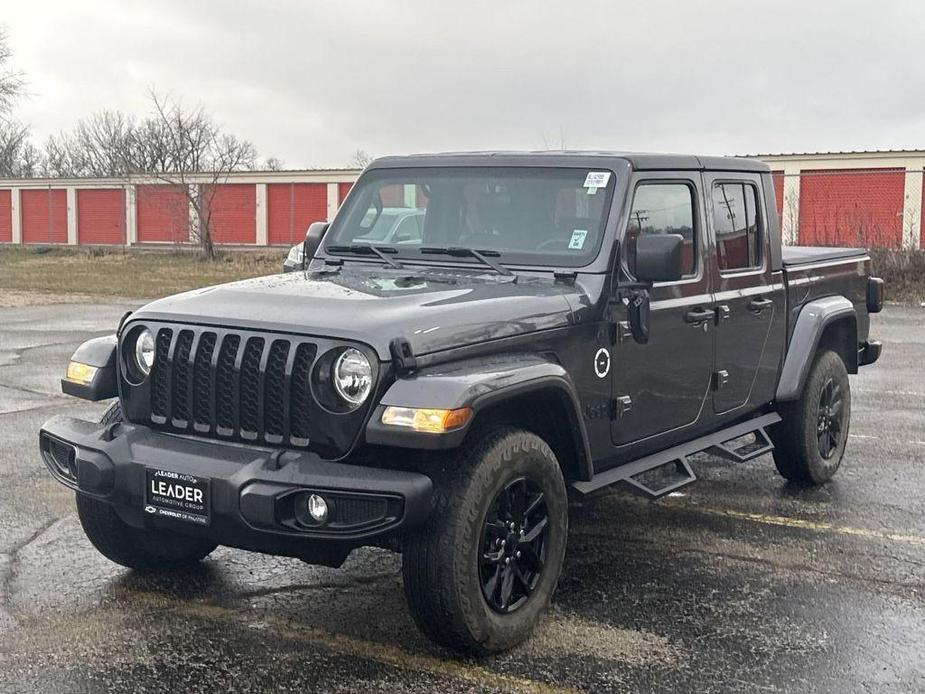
(736, 225)
(662, 208)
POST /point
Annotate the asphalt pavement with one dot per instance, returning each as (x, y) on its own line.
(740, 582)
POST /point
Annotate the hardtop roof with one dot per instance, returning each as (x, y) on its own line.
(639, 161)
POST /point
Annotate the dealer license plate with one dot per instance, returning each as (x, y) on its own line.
(177, 495)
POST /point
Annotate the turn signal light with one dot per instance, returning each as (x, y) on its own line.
(427, 420)
(80, 373)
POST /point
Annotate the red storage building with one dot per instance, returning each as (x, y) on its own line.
(852, 207)
(161, 214)
(6, 216)
(778, 177)
(234, 213)
(342, 190)
(101, 216)
(44, 215)
(291, 207)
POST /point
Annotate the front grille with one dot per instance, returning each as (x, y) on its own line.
(233, 385)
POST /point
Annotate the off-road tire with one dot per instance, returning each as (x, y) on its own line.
(796, 439)
(143, 550)
(440, 563)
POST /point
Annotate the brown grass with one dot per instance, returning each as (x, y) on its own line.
(903, 272)
(131, 274)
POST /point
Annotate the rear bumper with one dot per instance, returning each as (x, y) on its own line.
(251, 489)
(869, 353)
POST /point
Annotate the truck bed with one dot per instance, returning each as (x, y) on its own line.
(805, 255)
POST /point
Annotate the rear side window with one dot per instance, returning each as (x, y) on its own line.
(662, 208)
(736, 225)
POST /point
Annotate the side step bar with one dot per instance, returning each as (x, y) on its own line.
(718, 443)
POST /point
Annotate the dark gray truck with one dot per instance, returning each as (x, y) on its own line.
(563, 321)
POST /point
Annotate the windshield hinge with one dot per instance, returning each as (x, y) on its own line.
(565, 277)
(403, 357)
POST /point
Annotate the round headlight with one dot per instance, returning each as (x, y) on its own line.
(353, 376)
(144, 351)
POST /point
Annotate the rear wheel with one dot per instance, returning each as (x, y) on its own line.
(144, 550)
(480, 574)
(810, 441)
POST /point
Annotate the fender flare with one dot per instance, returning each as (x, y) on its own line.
(814, 318)
(478, 383)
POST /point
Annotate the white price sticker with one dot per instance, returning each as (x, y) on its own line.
(597, 179)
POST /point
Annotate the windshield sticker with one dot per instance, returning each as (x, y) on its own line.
(596, 179)
(577, 242)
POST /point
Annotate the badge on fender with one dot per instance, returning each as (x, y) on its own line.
(602, 362)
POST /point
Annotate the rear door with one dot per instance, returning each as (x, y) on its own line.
(749, 294)
(662, 386)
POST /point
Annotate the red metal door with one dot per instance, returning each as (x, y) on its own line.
(342, 190)
(856, 207)
(291, 207)
(234, 213)
(161, 214)
(778, 178)
(6, 216)
(44, 215)
(101, 216)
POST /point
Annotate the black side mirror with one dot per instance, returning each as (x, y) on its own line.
(659, 257)
(312, 243)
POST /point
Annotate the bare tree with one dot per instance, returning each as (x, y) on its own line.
(12, 82)
(361, 159)
(186, 148)
(17, 158)
(175, 145)
(273, 164)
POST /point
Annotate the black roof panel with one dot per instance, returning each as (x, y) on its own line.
(640, 161)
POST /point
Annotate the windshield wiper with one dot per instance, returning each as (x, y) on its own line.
(458, 252)
(364, 249)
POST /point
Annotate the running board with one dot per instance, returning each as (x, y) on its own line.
(717, 443)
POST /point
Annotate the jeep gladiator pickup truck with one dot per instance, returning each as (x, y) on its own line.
(563, 321)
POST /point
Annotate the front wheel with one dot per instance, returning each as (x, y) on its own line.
(480, 574)
(143, 550)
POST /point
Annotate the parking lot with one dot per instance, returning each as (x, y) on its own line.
(739, 583)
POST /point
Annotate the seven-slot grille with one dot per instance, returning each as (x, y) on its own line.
(232, 384)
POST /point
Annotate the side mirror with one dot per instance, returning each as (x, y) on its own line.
(659, 257)
(312, 243)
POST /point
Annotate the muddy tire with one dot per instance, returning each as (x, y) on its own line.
(143, 550)
(479, 576)
(810, 441)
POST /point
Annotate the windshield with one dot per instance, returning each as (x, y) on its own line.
(530, 216)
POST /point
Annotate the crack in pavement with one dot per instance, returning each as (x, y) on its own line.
(9, 576)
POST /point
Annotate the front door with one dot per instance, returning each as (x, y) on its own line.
(747, 293)
(661, 386)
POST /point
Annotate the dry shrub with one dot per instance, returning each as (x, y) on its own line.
(903, 271)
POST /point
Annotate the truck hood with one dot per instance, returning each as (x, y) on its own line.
(433, 310)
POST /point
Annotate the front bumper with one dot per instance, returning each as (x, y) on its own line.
(251, 489)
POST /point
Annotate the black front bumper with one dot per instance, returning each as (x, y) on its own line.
(251, 489)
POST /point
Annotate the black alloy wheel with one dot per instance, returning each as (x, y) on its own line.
(513, 545)
(829, 418)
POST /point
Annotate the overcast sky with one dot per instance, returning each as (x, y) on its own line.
(311, 82)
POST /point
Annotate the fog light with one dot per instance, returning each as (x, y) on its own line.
(317, 508)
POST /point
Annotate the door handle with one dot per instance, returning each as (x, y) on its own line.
(760, 304)
(698, 316)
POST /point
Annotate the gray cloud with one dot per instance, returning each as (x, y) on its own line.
(310, 82)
